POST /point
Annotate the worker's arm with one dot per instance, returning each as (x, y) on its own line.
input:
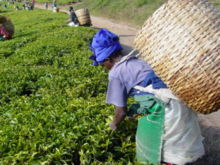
(120, 114)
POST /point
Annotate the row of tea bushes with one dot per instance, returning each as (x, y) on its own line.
(52, 100)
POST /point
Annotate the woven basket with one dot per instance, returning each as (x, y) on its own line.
(83, 16)
(6, 22)
(3, 19)
(181, 41)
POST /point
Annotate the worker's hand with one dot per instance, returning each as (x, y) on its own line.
(133, 116)
(113, 126)
(120, 114)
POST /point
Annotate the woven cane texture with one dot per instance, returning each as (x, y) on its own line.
(181, 41)
(3, 19)
(9, 27)
(6, 22)
(83, 16)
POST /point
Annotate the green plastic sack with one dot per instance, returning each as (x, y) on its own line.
(2, 38)
(150, 128)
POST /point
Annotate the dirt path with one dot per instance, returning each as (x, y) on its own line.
(210, 124)
(125, 32)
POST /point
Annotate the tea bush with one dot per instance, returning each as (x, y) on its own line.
(52, 100)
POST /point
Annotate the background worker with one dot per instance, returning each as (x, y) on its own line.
(73, 18)
(6, 28)
(168, 130)
(16, 7)
(4, 35)
(32, 4)
(46, 5)
(24, 6)
(54, 6)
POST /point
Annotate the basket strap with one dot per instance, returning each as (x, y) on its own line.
(132, 53)
(163, 94)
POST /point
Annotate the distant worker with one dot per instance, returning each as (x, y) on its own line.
(16, 7)
(31, 7)
(4, 35)
(27, 6)
(24, 6)
(46, 5)
(73, 18)
(32, 4)
(54, 6)
(6, 28)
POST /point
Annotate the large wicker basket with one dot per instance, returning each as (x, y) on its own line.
(181, 41)
(83, 16)
(3, 20)
(6, 22)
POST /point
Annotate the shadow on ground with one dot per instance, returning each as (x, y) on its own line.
(212, 145)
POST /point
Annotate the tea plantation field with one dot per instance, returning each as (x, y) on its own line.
(52, 101)
(133, 12)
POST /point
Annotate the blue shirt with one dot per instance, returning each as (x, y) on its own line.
(123, 76)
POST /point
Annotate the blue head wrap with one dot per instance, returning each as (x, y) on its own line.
(104, 43)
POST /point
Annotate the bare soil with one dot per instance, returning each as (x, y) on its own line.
(210, 124)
